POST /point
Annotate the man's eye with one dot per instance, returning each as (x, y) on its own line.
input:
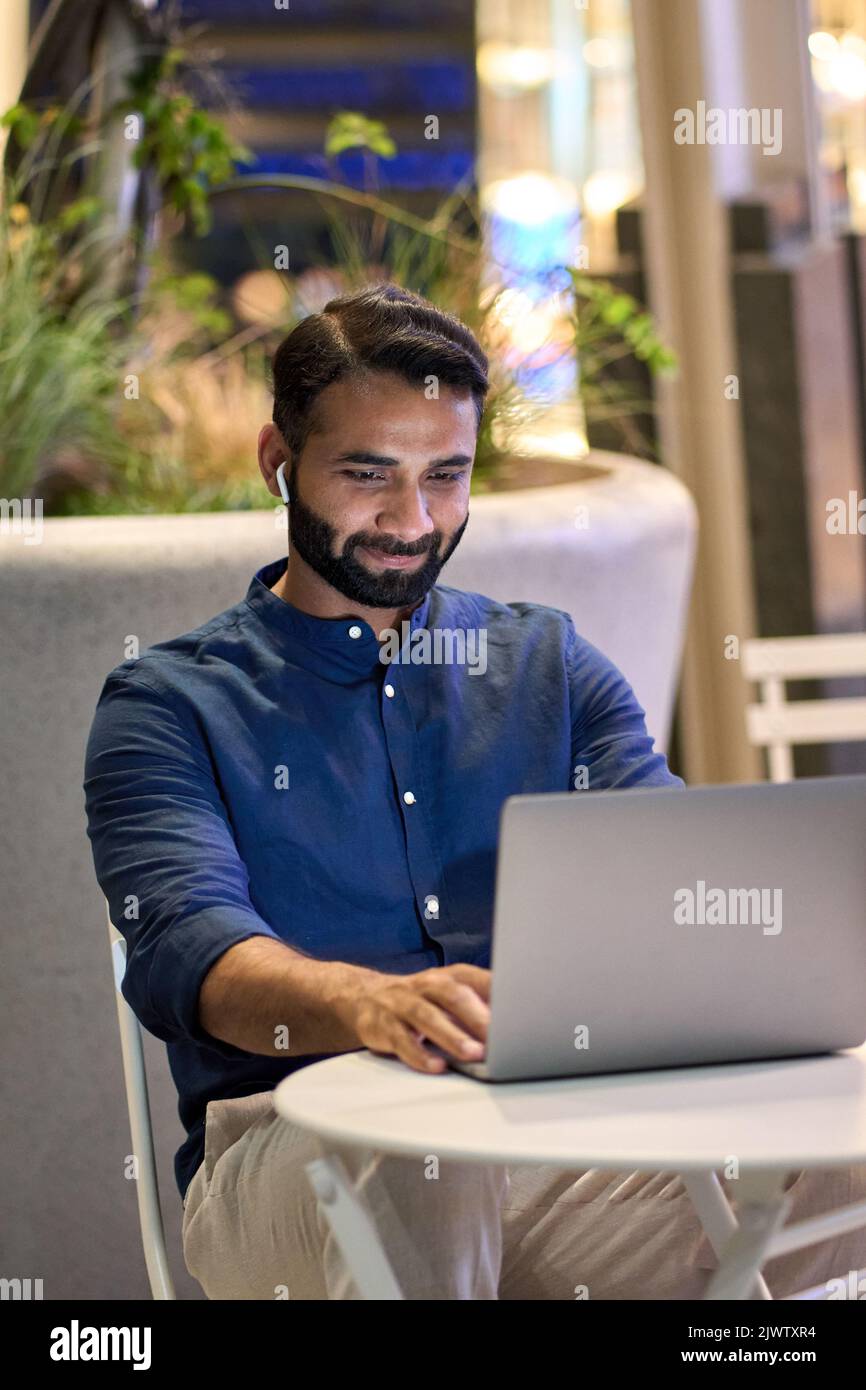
(365, 475)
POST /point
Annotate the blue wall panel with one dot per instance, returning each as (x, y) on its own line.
(436, 88)
(413, 169)
(360, 14)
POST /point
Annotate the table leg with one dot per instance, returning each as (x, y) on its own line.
(762, 1207)
(740, 1246)
(353, 1228)
(716, 1216)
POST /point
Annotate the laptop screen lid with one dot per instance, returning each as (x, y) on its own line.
(669, 926)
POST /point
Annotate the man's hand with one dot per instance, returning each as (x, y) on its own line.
(448, 1006)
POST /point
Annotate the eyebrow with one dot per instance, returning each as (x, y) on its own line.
(382, 461)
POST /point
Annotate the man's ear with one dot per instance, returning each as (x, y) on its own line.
(272, 452)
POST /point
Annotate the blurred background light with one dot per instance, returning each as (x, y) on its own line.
(839, 65)
(551, 443)
(606, 52)
(531, 198)
(512, 68)
(606, 190)
(822, 45)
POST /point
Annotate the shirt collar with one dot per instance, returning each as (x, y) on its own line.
(347, 644)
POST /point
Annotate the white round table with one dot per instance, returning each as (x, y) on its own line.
(765, 1118)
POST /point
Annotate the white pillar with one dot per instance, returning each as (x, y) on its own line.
(13, 55)
(756, 55)
(688, 272)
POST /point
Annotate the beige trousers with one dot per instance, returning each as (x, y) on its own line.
(252, 1228)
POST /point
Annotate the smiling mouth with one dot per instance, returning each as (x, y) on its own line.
(393, 562)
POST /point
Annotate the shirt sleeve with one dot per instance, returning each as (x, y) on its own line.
(165, 856)
(608, 727)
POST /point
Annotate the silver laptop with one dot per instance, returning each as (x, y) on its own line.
(668, 927)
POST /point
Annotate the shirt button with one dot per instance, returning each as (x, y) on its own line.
(432, 905)
(409, 798)
(354, 631)
(389, 691)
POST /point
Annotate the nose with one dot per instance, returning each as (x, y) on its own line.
(405, 517)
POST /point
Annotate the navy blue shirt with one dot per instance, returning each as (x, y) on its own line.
(268, 774)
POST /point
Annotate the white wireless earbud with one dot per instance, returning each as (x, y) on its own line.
(281, 482)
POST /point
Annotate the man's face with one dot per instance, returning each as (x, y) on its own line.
(380, 497)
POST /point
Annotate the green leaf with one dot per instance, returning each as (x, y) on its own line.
(350, 130)
(22, 123)
(13, 115)
(81, 210)
(618, 310)
(663, 361)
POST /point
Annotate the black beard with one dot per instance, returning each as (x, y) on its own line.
(314, 540)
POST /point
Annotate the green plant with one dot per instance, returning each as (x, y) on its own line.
(186, 147)
(61, 367)
(349, 130)
(70, 346)
(611, 314)
(612, 333)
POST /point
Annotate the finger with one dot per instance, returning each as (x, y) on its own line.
(471, 1013)
(387, 1035)
(473, 975)
(440, 1028)
(409, 1047)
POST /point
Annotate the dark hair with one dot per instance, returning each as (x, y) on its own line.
(381, 328)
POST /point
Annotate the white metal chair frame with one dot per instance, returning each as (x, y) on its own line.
(138, 1105)
(778, 724)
